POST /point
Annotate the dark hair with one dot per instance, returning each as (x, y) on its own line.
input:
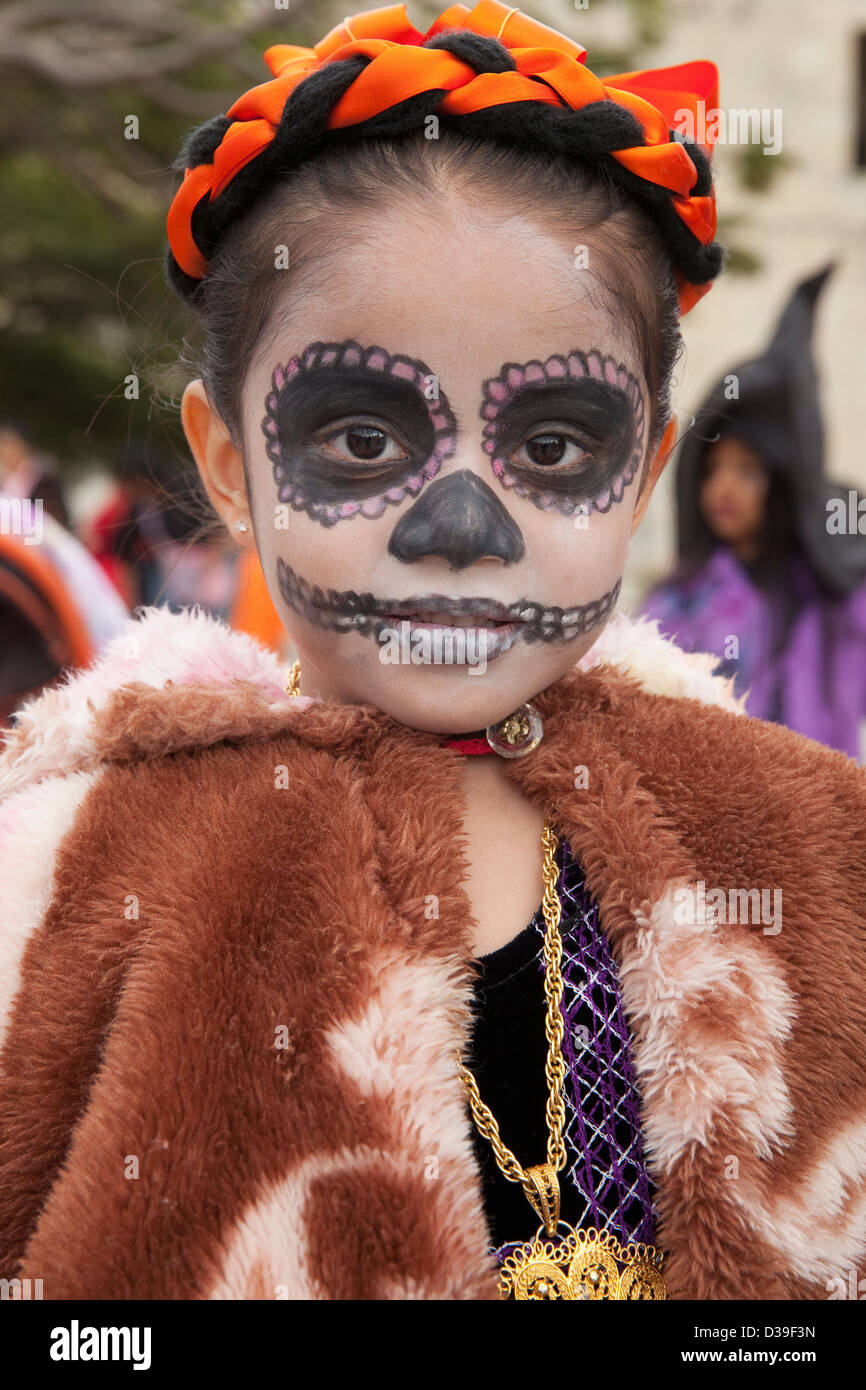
(549, 163)
(775, 568)
(10, 425)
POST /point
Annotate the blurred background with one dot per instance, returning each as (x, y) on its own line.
(96, 99)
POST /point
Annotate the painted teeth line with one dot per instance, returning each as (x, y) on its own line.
(348, 611)
(575, 621)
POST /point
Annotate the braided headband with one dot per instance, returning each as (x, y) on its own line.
(389, 70)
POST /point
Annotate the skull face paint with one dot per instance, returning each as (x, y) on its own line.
(589, 401)
(370, 396)
(478, 287)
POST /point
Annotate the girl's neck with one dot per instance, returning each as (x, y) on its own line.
(502, 829)
(747, 552)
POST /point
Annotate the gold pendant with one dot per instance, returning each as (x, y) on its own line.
(585, 1264)
(517, 734)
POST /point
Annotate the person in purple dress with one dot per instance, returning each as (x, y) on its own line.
(771, 573)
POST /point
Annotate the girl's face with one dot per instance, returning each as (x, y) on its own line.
(444, 445)
(733, 496)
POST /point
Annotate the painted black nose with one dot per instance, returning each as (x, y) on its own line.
(460, 518)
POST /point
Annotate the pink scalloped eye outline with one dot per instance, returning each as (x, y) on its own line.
(353, 354)
(498, 391)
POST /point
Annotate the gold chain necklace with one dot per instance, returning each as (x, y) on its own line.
(293, 678)
(584, 1264)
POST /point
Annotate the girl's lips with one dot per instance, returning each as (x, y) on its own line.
(488, 640)
(724, 511)
(437, 620)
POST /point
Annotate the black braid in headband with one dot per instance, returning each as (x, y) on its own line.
(588, 136)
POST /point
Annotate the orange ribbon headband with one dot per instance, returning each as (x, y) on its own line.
(549, 68)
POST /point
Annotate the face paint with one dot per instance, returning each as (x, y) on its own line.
(461, 519)
(372, 397)
(347, 611)
(589, 402)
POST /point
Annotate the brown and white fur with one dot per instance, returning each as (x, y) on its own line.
(229, 1015)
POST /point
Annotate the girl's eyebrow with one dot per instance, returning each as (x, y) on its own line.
(605, 407)
(318, 384)
(611, 405)
(586, 386)
(349, 355)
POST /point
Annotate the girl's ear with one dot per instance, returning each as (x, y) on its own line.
(654, 472)
(220, 464)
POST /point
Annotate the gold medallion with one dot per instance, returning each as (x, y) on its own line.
(587, 1264)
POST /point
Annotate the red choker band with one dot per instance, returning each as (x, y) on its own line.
(512, 737)
(469, 743)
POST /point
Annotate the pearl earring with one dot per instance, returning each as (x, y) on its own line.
(241, 526)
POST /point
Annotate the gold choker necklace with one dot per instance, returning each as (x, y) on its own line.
(582, 1264)
(293, 679)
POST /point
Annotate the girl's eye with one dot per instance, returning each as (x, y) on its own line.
(552, 449)
(363, 443)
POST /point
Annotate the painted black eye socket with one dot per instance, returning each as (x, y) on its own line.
(593, 415)
(571, 440)
(350, 434)
(321, 401)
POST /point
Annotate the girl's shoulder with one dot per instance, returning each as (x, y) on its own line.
(640, 649)
(717, 599)
(205, 672)
(168, 682)
(664, 718)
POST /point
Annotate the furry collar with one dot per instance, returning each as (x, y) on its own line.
(175, 653)
(747, 1045)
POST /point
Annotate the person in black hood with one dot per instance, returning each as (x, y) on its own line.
(771, 574)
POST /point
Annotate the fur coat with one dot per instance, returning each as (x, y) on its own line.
(229, 1017)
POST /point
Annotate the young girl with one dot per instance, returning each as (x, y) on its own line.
(767, 580)
(491, 950)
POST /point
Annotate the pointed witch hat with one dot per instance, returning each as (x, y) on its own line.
(777, 412)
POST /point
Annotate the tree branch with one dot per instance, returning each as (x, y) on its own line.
(104, 58)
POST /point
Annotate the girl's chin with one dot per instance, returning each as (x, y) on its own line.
(454, 700)
(444, 697)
